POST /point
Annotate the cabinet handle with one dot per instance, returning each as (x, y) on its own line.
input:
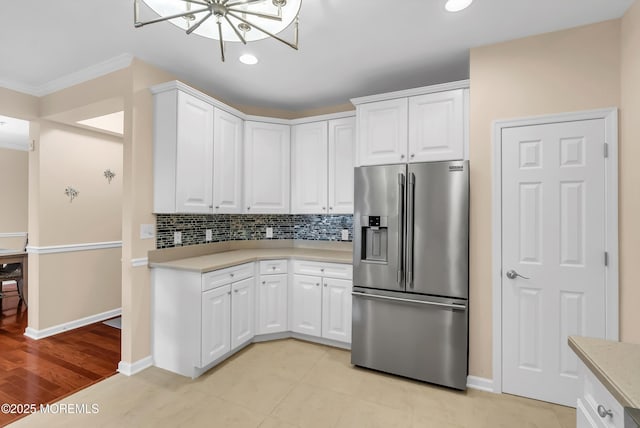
(217, 207)
(401, 156)
(229, 293)
(604, 412)
(321, 269)
(330, 208)
(235, 291)
(317, 285)
(325, 285)
(248, 208)
(274, 268)
(211, 206)
(231, 275)
(324, 208)
(264, 282)
(413, 155)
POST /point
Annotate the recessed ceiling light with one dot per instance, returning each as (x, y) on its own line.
(248, 59)
(457, 5)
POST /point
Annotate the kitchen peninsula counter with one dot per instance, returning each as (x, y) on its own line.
(615, 364)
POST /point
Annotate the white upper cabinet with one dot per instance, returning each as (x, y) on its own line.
(227, 163)
(197, 153)
(417, 125)
(309, 168)
(342, 139)
(436, 126)
(382, 132)
(183, 153)
(322, 167)
(266, 168)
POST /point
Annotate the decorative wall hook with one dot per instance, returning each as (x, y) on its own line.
(109, 175)
(71, 193)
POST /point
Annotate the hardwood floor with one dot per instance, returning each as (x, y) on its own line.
(46, 370)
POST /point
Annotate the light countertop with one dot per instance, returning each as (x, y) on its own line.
(210, 262)
(615, 364)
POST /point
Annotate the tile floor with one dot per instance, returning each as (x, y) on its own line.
(290, 383)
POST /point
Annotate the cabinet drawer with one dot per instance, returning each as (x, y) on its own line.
(218, 278)
(596, 395)
(329, 270)
(273, 266)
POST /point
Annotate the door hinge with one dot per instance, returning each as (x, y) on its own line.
(606, 150)
(606, 258)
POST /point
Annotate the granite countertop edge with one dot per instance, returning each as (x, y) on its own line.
(211, 262)
(599, 356)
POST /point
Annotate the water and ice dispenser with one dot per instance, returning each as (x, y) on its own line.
(375, 239)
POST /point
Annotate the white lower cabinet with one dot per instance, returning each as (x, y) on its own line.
(306, 305)
(321, 303)
(242, 310)
(596, 407)
(216, 325)
(201, 318)
(336, 309)
(271, 298)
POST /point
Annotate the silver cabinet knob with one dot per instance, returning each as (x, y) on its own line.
(248, 208)
(317, 284)
(217, 207)
(330, 208)
(512, 274)
(324, 208)
(235, 291)
(325, 285)
(321, 269)
(274, 268)
(264, 282)
(211, 206)
(231, 275)
(413, 155)
(401, 156)
(603, 412)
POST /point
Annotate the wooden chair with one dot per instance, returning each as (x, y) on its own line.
(12, 272)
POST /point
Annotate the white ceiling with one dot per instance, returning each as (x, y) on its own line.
(348, 48)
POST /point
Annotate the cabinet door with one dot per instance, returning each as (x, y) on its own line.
(342, 133)
(272, 304)
(194, 155)
(309, 168)
(242, 310)
(336, 309)
(436, 126)
(306, 305)
(382, 132)
(266, 168)
(227, 163)
(216, 316)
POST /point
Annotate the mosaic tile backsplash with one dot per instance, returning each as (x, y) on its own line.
(239, 227)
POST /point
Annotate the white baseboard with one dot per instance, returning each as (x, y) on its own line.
(50, 331)
(129, 369)
(480, 383)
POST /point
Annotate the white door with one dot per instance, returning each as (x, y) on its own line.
(227, 163)
(336, 309)
(272, 304)
(342, 138)
(216, 328)
(194, 157)
(309, 168)
(306, 305)
(553, 233)
(266, 168)
(242, 310)
(436, 126)
(382, 132)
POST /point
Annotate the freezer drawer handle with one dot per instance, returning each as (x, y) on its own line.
(398, 299)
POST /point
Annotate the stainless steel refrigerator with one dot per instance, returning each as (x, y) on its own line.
(411, 271)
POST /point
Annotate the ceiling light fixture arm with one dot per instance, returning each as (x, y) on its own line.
(277, 17)
(137, 23)
(293, 45)
(242, 39)
(221, 41)
(199, 23)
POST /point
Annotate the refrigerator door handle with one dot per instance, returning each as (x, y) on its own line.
(400, 226)
(410, 208)
(398, 299)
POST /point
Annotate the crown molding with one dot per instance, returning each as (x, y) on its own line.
(460, 84)
(92, 72)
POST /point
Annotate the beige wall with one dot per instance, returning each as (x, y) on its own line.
(572, 70)
(14, 179)
(65, 287)
(18, 105)
(630, 176)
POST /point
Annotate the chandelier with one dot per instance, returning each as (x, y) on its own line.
(234, 20)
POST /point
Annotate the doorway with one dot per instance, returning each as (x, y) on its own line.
(554, 248)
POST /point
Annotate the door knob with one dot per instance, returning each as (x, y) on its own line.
(512, 274)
